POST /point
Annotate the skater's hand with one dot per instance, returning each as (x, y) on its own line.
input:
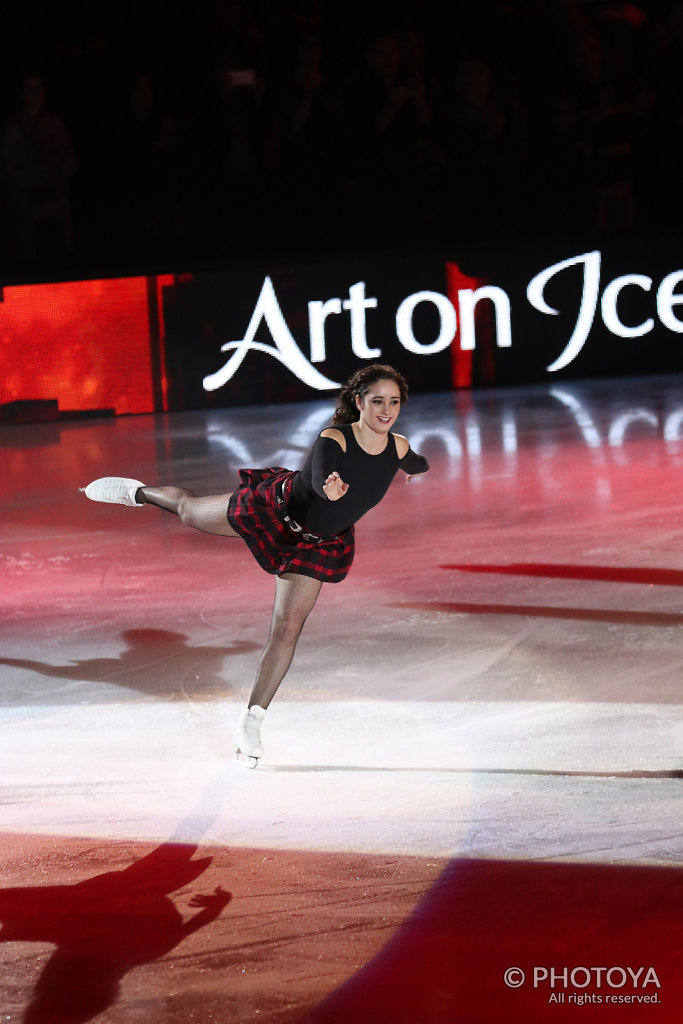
(214, 901)
(414, 476)
(334, 487)
(211, 904)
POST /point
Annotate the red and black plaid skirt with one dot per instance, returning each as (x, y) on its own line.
(255, 511)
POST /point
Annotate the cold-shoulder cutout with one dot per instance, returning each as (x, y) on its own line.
(335, 435)
(402, 445)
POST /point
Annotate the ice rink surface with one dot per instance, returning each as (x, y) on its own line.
(473, 768)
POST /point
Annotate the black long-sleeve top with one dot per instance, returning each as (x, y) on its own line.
(368, 477)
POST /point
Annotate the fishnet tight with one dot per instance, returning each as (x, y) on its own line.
(206, 514)
(295, 595)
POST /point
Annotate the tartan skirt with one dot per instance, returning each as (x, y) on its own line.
(255, 512)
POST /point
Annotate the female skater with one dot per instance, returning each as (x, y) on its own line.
(299, 525)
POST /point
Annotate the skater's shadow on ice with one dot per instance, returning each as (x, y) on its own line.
(103, 927)
(106, 925)
(156, 662)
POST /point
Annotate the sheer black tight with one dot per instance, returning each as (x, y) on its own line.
(294, 599)
(295, 595)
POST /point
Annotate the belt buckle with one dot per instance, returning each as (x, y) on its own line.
(310, 537)
(293, 525)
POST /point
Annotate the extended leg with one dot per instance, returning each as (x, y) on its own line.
(207, 514)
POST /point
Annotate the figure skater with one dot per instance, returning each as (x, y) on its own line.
(299, 525)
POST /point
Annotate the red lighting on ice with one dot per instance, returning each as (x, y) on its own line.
(85, 344)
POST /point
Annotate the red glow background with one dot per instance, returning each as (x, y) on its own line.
(99, 345)
(85, 344)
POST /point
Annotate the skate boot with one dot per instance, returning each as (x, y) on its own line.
(248, 746)
(115, 489)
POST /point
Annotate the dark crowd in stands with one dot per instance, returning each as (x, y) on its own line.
(156, 136)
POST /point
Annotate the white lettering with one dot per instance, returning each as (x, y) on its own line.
(285, 349)
(621, 423)
(268, 316)
(473, 435)
(616, 970)
(584, 420)
(450, 440)
(540, 974)
(404, 323)
(581, 977)
(231, 444)
(301, 438)
(672, 426)
(467, 301)
(589, 302)
(599, 971)
(357, 303)
(509, 432)
(317, 314)
(666, 300)
(609, 306)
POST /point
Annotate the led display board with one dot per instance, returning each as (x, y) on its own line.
(252, 335)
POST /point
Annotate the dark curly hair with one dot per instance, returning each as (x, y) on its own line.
(359, 384)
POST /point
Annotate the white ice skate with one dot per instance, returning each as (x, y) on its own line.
(118, 490)
(248, 746)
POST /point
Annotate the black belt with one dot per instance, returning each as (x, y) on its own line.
(297, 528)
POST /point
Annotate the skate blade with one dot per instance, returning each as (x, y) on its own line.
(246, 760)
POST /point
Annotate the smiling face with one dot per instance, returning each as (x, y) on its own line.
(380, 406)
